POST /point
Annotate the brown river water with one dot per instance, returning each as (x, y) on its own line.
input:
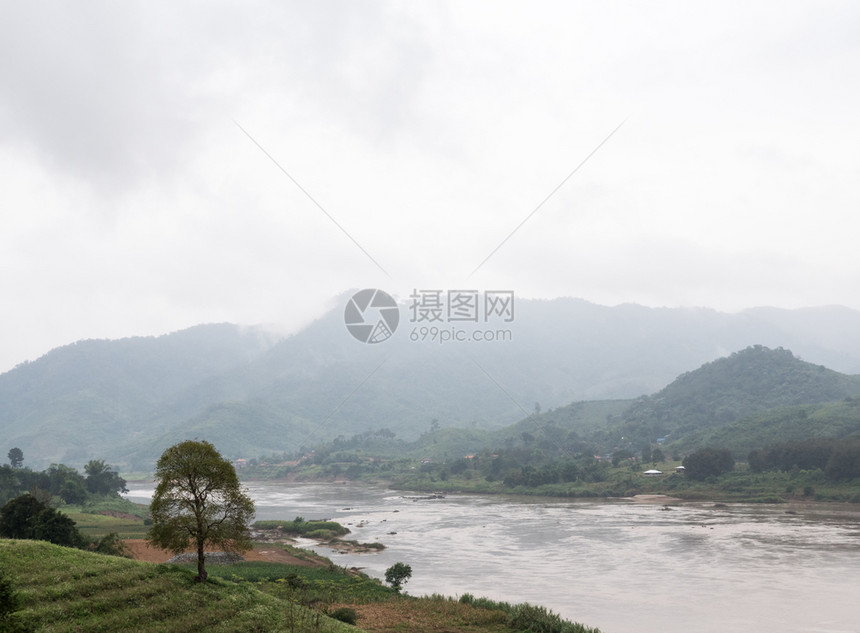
(621, 566)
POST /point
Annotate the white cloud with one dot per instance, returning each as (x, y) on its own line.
(133, 204)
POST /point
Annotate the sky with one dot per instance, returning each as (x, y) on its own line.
(169, 164)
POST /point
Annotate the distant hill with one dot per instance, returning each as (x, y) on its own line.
(751, 399)
(83, 400)
(839, 420)
(747, 383)
(127, 400)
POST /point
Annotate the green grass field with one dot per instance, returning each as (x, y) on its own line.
(98, 517)
(68, 590)
(97, 525)
(307, 585)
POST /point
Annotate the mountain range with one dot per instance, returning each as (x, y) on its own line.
(251, 393)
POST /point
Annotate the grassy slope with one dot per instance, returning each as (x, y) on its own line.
(100, 516)
(69, 590)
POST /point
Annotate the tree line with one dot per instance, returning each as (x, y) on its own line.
(27, 500)
(58, 481)
(839, 459)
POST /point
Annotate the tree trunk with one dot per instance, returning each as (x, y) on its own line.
(201, 563)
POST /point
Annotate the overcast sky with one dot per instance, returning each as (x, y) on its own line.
(132, 202)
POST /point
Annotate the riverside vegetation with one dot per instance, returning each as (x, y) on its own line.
(54, 588)
(57, 586)
(760, 425)
(719, 422)
(125, 400)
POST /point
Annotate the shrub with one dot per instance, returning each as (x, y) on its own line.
(8, 598)
(312, 529)
(26, 517)
(9, 603)
(397, 574)
(344, 614)
(110, 544)
(525, 617)
(321, 535)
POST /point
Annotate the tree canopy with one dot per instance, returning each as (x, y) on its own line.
(26, 517)
(398, 574)
(101, 480)
(198, 501)
(708, 462)
(16, 457)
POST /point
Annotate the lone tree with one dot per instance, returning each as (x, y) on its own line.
(101, 480)
(16, 457)
(198, 500)
(398, 574)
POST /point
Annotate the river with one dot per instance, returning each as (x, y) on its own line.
(622, 566)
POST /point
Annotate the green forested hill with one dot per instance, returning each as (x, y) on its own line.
(125, 401)
(839, 420)
(749, 382)
(84, 400)
(746, 401)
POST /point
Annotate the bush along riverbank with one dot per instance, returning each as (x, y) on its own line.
(737, 486)
(326, 533)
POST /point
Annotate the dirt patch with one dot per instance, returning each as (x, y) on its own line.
(141, 550)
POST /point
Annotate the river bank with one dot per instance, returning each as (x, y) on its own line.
(740, 486)
(620, 564)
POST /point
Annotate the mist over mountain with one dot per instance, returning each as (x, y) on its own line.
(127, 400)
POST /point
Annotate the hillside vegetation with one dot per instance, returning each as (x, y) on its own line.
(749, 401)
(89, 398)
(126, 400)
(748, 382)
(839, 420)
(64, 590)
(67, 590)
